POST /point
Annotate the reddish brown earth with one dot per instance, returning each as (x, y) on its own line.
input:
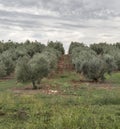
(64, 64)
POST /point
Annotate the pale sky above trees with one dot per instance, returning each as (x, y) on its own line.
(85, 21)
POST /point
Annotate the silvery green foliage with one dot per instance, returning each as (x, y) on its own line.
(7, 60)
(57, 46)
(20, 52)
(117, 45)
(99, 48)
(35, 68)
(52, 56)
(90, 65)
(23, 69)
(80, 56)
(38, 67)
(74, 45)
(94, 63)
(33, 47)
(94, 69)
(110, 63)
(32, 69)
(115, 52)
(2, 70)
(109, 49)
(4, 46)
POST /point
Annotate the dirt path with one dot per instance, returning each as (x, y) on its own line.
(64, 64)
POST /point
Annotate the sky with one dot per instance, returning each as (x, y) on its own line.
(88, 21)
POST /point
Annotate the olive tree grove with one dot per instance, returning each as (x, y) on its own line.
(94, 61)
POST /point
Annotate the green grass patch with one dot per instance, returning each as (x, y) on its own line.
(77, 106)
(11, 83)
(114, 78)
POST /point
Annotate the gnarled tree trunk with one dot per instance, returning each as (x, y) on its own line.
(34, 85)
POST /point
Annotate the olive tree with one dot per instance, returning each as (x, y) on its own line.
(94, 69)
(88, 64)
(32, 69)
(91, 67)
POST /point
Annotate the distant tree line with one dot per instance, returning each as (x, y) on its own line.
(32, 61)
